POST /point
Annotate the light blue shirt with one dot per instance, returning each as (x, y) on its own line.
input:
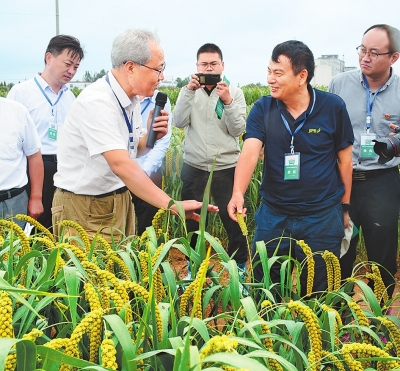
(152, 160)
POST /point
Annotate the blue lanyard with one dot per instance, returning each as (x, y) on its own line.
(369, 102)
(48, 99)
(147, 104)
(299, 127)
(128, 123)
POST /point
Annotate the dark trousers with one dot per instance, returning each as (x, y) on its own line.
(145, 212)
(194, 184)
(375, 207)
(322, 230)
(50, 168)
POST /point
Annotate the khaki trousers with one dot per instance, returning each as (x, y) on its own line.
(111, 217)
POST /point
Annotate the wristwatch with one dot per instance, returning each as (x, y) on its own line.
(345, 206)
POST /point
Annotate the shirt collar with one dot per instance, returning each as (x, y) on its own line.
(283, 108)
(44, 85)
(120, 93)
(385, 86)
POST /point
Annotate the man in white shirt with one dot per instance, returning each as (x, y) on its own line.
(100, 138)
(48, 101)
(150, 163)
(19, 144)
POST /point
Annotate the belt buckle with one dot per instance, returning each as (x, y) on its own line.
(359, 175)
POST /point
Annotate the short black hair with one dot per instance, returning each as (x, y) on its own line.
(393, 35)
(61, 42)
(299, 54)
(209, 48)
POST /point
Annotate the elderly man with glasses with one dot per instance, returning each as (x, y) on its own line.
(373, 102)
(213, 117)
(102, 135)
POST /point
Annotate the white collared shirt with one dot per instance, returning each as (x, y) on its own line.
(94, 125)
(29, 95)
(18, 140)
(152, 160)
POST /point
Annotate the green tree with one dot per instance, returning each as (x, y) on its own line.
(87, 77)
(181, 83)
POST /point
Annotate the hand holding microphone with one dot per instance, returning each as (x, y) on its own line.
(161, 100)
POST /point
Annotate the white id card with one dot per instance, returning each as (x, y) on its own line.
(292, 166)
(367, 145)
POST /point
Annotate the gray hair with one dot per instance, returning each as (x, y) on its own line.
(132, 45)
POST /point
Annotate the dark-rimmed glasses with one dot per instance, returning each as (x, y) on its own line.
(362, 52)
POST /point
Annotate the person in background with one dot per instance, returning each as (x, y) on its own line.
(372, 98)
(102, 136)
(20, 146)
(213, 117)
(150, 163)
(306, 184)
(48, 100)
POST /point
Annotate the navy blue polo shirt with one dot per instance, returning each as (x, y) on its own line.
(326, 131)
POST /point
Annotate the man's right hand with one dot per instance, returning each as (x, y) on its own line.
(194, 83)
(236, 205)
(190, 206)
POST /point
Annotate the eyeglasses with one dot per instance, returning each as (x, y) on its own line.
(362, 52)
(211, 64)
(151, 68)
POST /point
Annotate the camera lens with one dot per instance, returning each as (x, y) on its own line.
(387, 148)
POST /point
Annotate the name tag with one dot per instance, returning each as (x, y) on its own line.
(292, 166)
(367, 145)
(52, 132)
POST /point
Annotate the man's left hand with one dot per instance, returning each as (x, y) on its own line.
(223, 92)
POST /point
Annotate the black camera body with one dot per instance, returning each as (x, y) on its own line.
(209, 78)
(387, 147)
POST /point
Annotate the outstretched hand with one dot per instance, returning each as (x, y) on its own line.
(191, 206)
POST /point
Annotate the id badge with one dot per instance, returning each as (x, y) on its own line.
(52, 133)
(367, 145)
(292, 166)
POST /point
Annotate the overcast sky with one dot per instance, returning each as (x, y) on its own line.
(245, 30)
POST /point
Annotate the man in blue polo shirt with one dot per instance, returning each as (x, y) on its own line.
(307, 138)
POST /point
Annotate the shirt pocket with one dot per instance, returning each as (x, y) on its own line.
(11, 148)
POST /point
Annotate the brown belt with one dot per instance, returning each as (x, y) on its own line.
(369, 174)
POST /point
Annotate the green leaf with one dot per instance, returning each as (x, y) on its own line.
(72, 282)
(122, 334)
(26, 355)
(234, 284)
(240, 361)
(23, 262)
(50, 356)
(199, 326)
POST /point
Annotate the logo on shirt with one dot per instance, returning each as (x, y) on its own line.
(314, 131)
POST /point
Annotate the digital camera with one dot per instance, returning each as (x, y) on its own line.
(209, 78)
(387, 147)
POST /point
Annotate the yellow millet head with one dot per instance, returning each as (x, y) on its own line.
(40, 227)
(242, 224)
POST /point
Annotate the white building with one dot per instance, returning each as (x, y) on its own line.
(326, 67)
(78, 84)
(168, 82)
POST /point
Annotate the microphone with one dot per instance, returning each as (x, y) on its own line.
(161, 99)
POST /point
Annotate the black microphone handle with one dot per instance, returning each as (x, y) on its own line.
(151, 138)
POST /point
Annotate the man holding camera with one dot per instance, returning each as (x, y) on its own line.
(213, 115)
(372, 99)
